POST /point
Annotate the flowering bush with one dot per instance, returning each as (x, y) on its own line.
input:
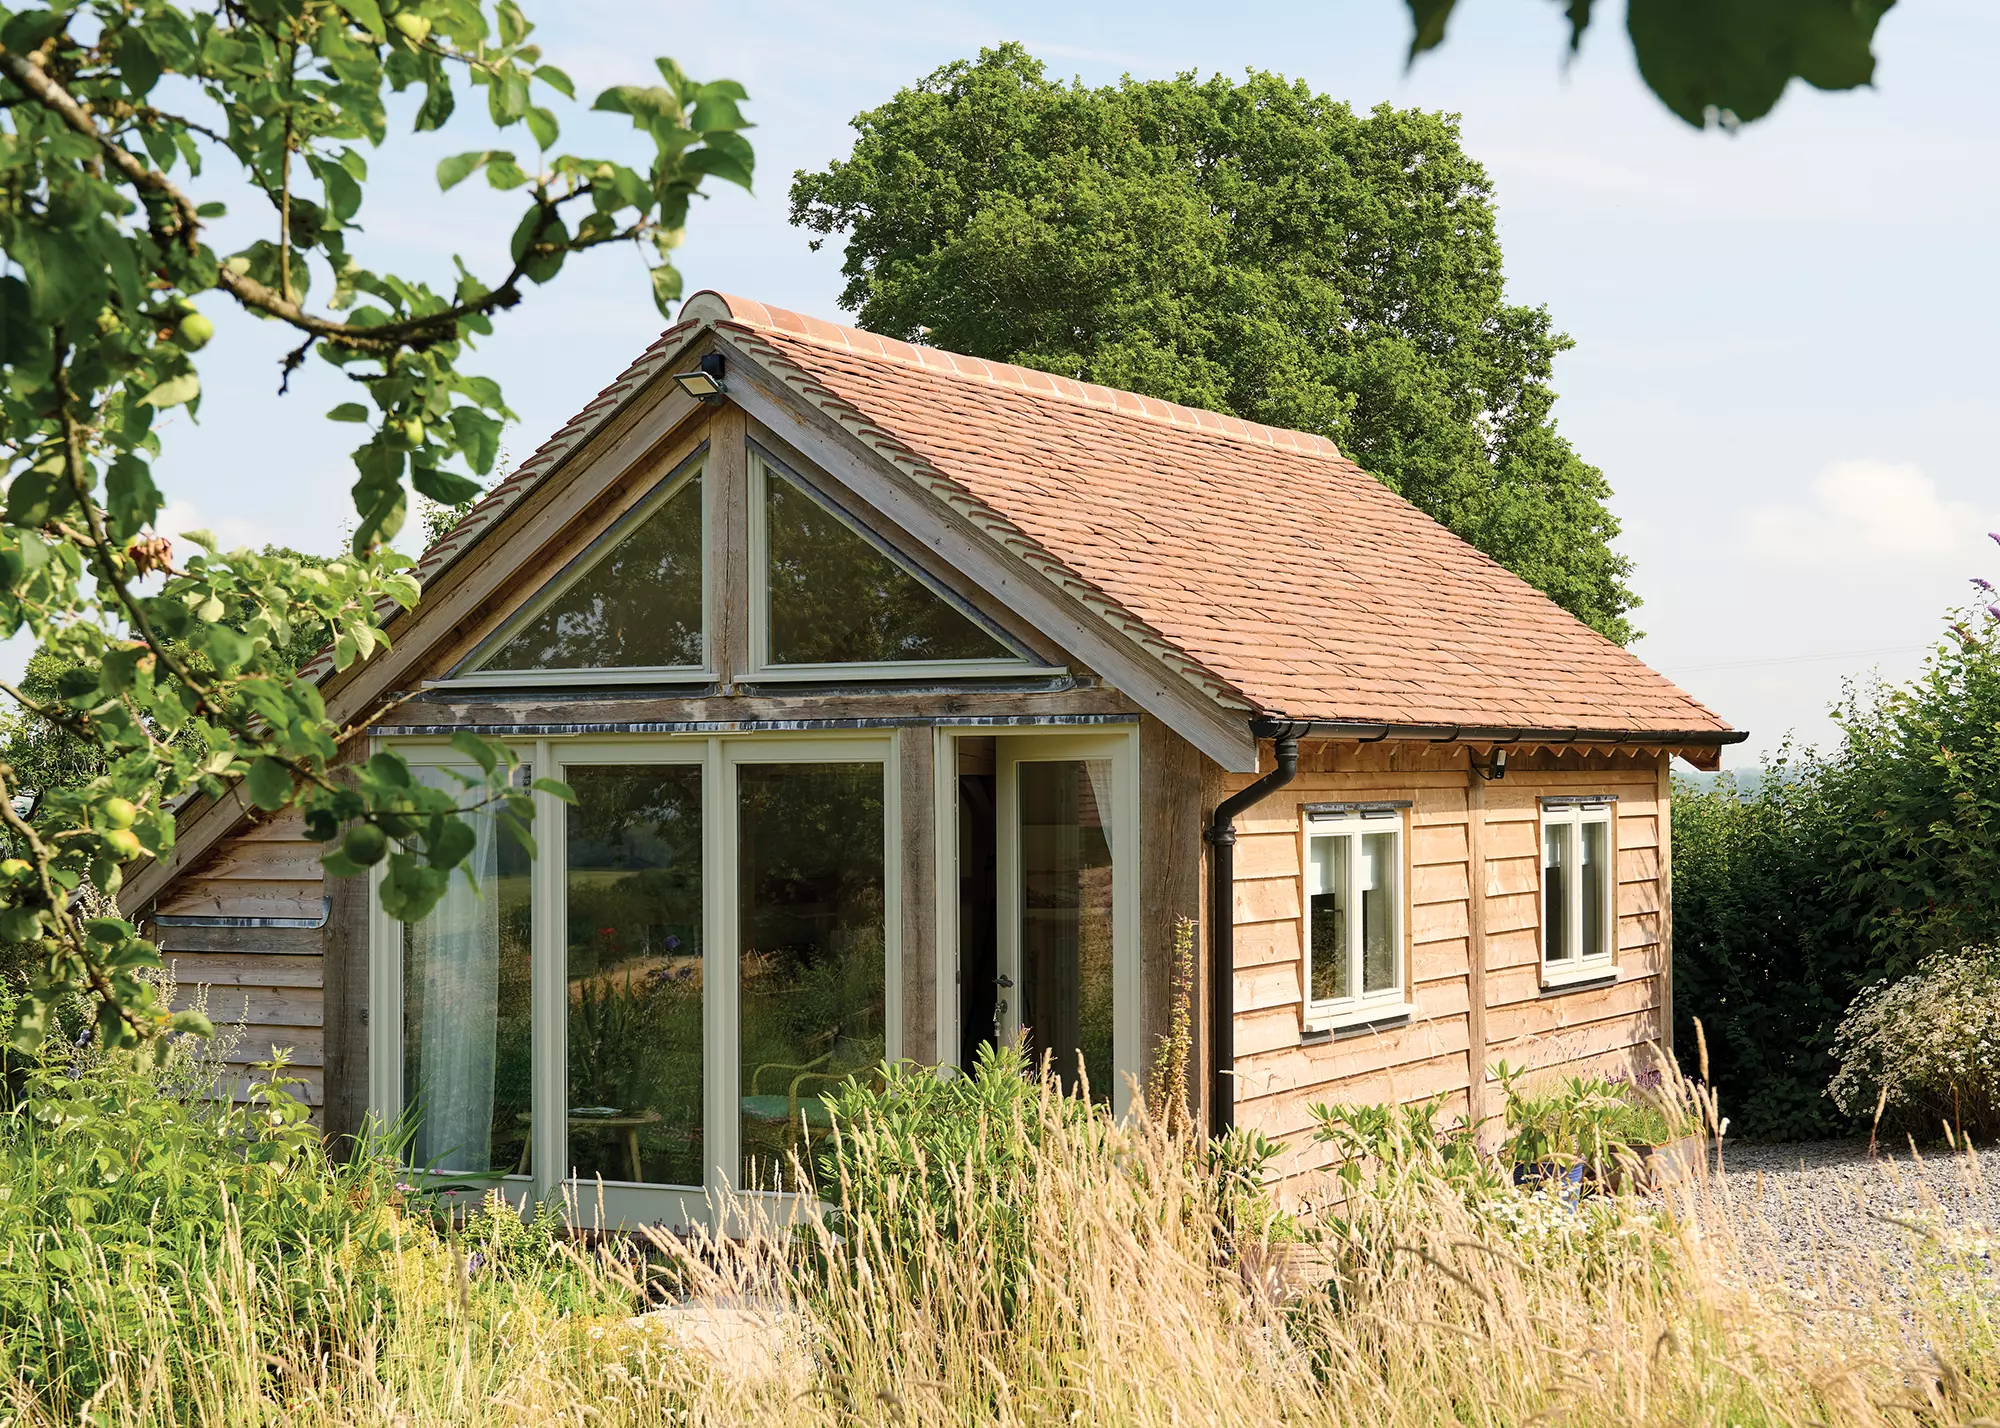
(1926, 1047)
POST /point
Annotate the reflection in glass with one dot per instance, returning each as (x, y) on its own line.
(467, 1055)
(1066, 917)
(1329, 960)
(1596, 875)
(635, 973)
(639, 606)
(812, 887)
(836, 599)
(1558, 858)
(1378, 912)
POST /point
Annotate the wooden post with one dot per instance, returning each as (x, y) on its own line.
(1170, 876)
(729, 544)
(1665, 815)
(916, 767)
(1475, 943)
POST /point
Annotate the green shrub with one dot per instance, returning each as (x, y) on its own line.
(1926, 1048)
(1839, 870)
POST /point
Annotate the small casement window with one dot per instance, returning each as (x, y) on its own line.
(1354, 915)
(1579, 914)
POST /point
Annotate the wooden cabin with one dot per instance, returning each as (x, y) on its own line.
(910, 702)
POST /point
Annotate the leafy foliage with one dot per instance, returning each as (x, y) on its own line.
(1837, 872)
(178, 678)
(1722, 62)
(1251, 248)
(1926, 1047)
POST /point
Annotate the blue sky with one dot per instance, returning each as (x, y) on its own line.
(1783, 359)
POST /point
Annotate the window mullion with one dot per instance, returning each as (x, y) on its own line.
(1356, 943)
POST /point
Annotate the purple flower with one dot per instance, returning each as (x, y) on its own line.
(1993, 612)
(673, 942)
(1993, 536)
(1986, 585)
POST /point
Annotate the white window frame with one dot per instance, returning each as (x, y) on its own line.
(622, 1202)
(1346, 825)
(1574, 813)
(764, 671)
(470, 672)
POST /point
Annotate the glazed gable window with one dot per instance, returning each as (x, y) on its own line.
(1354, 915)
(828, 599)
(1579, 909)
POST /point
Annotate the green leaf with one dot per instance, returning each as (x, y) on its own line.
(269, 783)
(557, 788)
(455, 838)
(666, 279)
(455, 170)
(133, 499)
(174, 391)
(447, 488)
(478, 436)
(138, 66)
(542, 124)
(348, 411)
(479, 750)
(555, 79)
(503, 173)
(1713, 60)
(1428, 17)
(368, 15)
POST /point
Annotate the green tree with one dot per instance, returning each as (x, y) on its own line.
(123, 123)
(1721, 63)
(1248, 247)
(1841, 869)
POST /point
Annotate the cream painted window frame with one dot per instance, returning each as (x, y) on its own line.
(1119, 743)
(617, 1203)
(763, 671)
(468, 674)
(1574, 812)
(1360, 1008)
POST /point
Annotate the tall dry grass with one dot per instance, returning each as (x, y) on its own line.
(1117, 1296)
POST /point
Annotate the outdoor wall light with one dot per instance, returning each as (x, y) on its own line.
(1495, 766)
(705, 381)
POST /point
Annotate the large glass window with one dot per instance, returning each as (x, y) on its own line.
(634, 602)
(1579, 890)
(812, 893)
(467, 1010)
(634, 973)
(834, 597)
(1066, 926)
(1354, 913)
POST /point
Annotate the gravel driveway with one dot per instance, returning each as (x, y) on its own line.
(1826, 1215)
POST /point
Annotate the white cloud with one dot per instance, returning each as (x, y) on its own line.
(1868, 513)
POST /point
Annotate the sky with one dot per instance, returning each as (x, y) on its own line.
(1783, 357)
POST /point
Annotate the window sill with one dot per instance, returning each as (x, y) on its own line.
(1600, 972)
(1355, 1021)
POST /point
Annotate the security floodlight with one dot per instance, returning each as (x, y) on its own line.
(705, 381)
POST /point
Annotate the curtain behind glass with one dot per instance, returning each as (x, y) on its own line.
(452, 1004)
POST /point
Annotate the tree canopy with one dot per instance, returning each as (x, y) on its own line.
(1249, 247)
(125, 127)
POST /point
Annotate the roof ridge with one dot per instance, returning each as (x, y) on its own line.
(717, 306)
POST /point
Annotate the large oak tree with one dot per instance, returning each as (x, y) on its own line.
(1250, 247)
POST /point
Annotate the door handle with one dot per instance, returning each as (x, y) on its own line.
(1003, 980)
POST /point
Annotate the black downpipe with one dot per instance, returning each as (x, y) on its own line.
(1221, 836)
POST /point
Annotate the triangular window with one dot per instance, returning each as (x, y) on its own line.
(833, 596)
(632, 602)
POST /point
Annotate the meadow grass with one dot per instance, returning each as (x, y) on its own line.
(1122, 1288)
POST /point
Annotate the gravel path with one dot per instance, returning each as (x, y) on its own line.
(1823, 1210)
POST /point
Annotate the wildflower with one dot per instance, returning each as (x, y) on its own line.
(1986, 585)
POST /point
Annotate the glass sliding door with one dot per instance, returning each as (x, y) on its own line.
(632, 883)
(812, 895)
(1068, 983)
